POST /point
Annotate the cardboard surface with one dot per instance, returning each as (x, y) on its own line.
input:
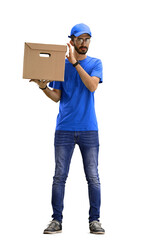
(44, 61)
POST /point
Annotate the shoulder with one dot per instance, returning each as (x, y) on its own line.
(94, 60)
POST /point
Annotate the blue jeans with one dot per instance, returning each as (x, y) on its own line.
(88, 143)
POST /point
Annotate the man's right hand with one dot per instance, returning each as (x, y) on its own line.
(41, 83)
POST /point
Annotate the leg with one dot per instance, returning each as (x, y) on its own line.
(63, 153)
(89, 152)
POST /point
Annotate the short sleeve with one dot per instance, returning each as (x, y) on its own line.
(98, 70)
(55, 85)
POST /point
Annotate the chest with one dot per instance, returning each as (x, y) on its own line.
(72, 79)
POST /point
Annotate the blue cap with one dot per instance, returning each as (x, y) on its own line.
(80, 29)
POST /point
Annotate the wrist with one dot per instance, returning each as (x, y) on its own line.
(76, 63)
(43, 88)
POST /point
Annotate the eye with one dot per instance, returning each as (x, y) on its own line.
(80, 40)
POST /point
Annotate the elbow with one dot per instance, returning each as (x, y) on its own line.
(56, 95)
(93, 84)
(93, 88)
(57, 100)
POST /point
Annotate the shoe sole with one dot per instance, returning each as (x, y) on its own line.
(48, 232)
(97, 232)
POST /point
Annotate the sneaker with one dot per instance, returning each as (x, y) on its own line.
(53, 227)
(95, 227)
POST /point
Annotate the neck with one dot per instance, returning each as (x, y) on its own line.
(79, 56)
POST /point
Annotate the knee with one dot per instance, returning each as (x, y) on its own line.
(93, 180)
(59, 179)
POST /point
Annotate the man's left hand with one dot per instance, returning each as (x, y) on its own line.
(70, 56)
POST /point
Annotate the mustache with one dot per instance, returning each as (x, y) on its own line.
(83, 47)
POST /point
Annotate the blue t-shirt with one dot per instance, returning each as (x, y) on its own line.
(76, 109)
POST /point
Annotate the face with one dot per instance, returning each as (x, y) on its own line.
(81, 43)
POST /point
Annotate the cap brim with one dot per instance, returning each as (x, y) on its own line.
(80, 33)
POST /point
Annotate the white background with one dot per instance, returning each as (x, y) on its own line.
(126, 37)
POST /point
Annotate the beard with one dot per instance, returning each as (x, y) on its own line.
(80, 51)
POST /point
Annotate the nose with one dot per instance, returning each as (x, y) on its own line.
(84, 43)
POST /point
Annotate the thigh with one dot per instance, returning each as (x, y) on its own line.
(89, 147)
(90, 160)
(63, 155)
(63, 138)
(88, 139)
(64, 146)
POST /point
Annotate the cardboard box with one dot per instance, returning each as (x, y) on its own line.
(44, 61)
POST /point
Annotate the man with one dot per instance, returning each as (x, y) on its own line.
(76, 124)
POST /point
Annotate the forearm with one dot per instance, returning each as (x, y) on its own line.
(53, 95)
(90, 82)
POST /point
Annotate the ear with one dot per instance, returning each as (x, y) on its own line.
(71, 42)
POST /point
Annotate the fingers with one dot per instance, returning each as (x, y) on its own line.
(70, 51)
(41, 83)
(70, 48)
(34, 80)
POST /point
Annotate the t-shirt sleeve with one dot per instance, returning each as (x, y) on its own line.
(98, 70)
(55, 85)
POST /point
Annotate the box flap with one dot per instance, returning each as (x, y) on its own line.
(47, 47)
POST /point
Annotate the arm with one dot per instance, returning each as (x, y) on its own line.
(90, 82)
(54, 94)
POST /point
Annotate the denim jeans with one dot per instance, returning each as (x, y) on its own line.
(88, 143)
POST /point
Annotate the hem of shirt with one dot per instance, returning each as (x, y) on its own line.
(76, 129)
